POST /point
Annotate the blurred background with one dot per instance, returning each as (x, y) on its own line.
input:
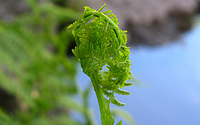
(41, 82)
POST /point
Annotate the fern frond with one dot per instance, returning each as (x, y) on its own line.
(102, 7)
(107, 11)
(100, 42)
(117, 102)
(128, 84)
(122, 92)
(119, 123)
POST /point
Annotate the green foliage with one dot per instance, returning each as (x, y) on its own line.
(6, 120)
(100, 43)
(34, 67)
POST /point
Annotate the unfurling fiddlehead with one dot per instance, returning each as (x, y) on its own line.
(99, 43)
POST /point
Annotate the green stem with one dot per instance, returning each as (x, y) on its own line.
(98, 91)
(106, 116)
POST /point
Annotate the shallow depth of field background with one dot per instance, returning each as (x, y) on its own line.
(42, 83)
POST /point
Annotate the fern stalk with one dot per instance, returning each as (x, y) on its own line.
(99, 92)
(107, 117)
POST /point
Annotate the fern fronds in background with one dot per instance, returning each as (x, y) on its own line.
(99, 43)
(34, 67)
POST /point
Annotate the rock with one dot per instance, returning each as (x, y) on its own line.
(151, 22)
(11, 8)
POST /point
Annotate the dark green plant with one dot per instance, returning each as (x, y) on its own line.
(35, 69)
(100, 43)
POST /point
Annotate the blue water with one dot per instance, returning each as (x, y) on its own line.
(170, 89)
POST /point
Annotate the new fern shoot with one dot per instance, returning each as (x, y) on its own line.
(99, 43)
